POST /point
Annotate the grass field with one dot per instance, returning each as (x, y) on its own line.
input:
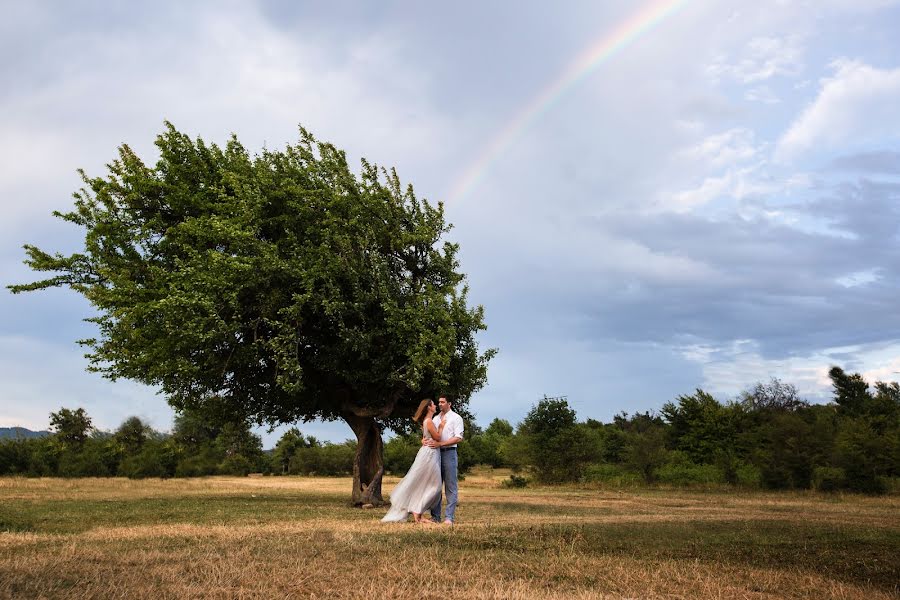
(293, 537)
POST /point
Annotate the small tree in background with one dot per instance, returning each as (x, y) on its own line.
(71, 427)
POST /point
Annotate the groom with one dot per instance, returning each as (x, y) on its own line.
(450, 437)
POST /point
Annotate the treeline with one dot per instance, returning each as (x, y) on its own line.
(767, 438)
(198, 445)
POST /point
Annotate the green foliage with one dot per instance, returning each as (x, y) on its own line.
(400, 452)
(864, 456)
(488, 445)
(72, 427)
(851, 392)
(236, 464)
(131, 435)
(680, 470)
(553, 444)
(323, 459)
(157, 458)
(278, 287)
(774, 395)
(285, 449)
(614, 475)
(515, 481)
(699, 425)
(829, 479)
(774, 441)
(549, 418)
(645, 452)
(199, 462)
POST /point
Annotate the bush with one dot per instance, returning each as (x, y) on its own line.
(829, 479)
(157, 459)
(327, 459)
(748, 475)
(400, 452)
(86, 463)
(612, 474)
(515, 481)
(15, 456)
(685, 472)
(236, 464)
(204, 462)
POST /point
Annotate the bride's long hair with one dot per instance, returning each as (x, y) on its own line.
(419, 417)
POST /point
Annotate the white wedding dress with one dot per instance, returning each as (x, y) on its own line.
(420, 488)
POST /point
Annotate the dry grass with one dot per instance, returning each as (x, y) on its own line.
(296, 538)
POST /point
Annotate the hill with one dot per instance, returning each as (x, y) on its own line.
(20, 432)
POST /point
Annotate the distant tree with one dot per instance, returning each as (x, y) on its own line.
(774, 395)
(491, 441)
(550, 417)
(851, 392)
(400, 452)
(282, 286)
(555, 447)
(699, 426)
(645, 452)
(286, 448)
(500, 428)
(132, 434)
(72, 427)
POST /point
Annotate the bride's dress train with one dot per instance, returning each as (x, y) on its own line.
(419, 489)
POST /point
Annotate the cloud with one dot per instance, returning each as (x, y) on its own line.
(763, 94)
(216, 72)
(876, 162)
(858, 103)
(724, 149)
(761, 59)
(734, 184)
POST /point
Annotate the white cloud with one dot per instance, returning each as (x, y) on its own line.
(859, 278)
(727, 370)
(734, 184)
(724, 149)
(763, 94)
(858, 103)
(226, 71)
(762, 59)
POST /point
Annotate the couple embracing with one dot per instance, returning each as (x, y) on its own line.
(433, 469)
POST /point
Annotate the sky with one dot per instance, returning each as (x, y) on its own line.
(650, 197)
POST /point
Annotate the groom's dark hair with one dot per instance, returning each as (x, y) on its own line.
(446, 397)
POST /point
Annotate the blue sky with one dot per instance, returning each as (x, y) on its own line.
(716, 204)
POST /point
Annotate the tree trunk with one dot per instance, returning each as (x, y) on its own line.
(368, 466)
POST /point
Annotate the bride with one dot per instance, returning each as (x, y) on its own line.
(418, 491)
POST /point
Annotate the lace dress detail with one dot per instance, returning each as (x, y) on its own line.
(420, 488)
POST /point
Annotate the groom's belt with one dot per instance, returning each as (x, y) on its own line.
(448, 448)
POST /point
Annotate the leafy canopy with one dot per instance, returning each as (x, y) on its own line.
(279, 286)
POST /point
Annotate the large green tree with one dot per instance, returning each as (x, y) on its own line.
(280, 287)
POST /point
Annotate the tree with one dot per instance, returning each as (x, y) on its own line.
(72, 427)
(774, 395)
(554, 445)
(851, 392)
(700, 426)
(280, 286)
(132, 434)
(286, 448)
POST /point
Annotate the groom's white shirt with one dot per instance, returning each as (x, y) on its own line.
(453, 428)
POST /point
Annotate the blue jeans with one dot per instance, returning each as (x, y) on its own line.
(451, 486)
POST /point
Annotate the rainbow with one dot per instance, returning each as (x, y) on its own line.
(592, 57)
